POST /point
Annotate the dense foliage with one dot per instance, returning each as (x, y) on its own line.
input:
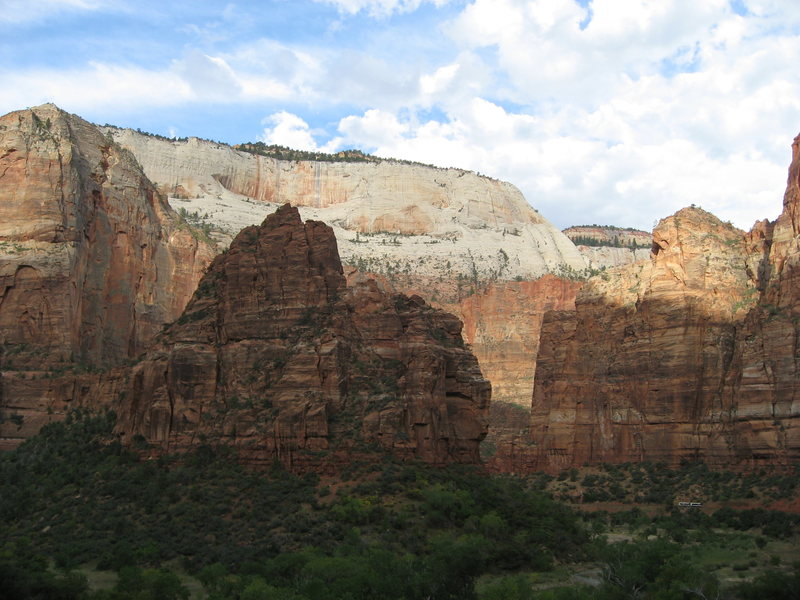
(73, 496)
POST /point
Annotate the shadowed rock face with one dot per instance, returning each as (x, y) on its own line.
(692, 355)
(277, 356)
(93, 262)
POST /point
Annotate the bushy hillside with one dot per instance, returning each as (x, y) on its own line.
(72, 498)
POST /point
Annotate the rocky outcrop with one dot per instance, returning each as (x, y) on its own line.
(276, 356)
(93, 262)
(600, 258)
(605, 247)
(607, 235)
(448, 235)
(764, 379)
(690, 356)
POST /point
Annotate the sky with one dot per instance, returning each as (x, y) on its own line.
(615, 112)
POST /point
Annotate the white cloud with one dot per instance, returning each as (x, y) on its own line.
(210, 77)
(287, 129)
(112, 87)
(439, 80)
(615, 112)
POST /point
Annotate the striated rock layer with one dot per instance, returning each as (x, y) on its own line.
(502, 324)
(93, 262)
(690, 356)
(277, 356)
(604, 247)
(389, 217)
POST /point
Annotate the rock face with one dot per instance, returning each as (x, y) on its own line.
(502, 324)
(607, 235)
(600, 258)
(92, 263)
(690, 356)
(764, 378)
(278, 357)
(448, 235)
(389, 217)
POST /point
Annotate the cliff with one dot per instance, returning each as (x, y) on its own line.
(689, 356)
(389, 217)
(502, 324)
(276, 356)
(93, 262)
(455, 238)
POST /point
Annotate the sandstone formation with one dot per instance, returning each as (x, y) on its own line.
(600, 258)
(690, 356)
(444, 234)
(389, 217)
(93, 262)
(277, 356)
(502, 325)
(608, 235)
(764, 378)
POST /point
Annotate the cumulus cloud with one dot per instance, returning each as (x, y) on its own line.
(287, 129)
(630, 115)
(111, 87)
(210, 77)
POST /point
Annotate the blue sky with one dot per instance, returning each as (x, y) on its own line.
(600, 111)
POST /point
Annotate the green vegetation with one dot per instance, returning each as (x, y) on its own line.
(197, 225)
(74, 501)
(13, 248)
(285, 153)
(654, 483)
(615, 242)
(565, 271)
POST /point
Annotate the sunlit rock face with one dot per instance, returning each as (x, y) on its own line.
(689, 356)
(276, 356)
(93, 262)
(466, 243)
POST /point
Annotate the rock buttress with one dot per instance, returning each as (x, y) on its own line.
(93, 262)
(276, 356)
(690, 356)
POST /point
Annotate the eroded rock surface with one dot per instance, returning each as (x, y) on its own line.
(690, 356)
(455, 238)
(277, 356)
(389, 217)
(93, 262)
(605, 247)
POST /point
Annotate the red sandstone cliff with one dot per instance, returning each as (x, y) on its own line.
(502, 324)
(692, 355)
(93, 262)
(277, 356)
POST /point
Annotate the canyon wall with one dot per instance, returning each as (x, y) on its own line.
(277, 356)
(605, 246)
(689, 356)
(469, 244)
(93, 262)
(502, 325)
